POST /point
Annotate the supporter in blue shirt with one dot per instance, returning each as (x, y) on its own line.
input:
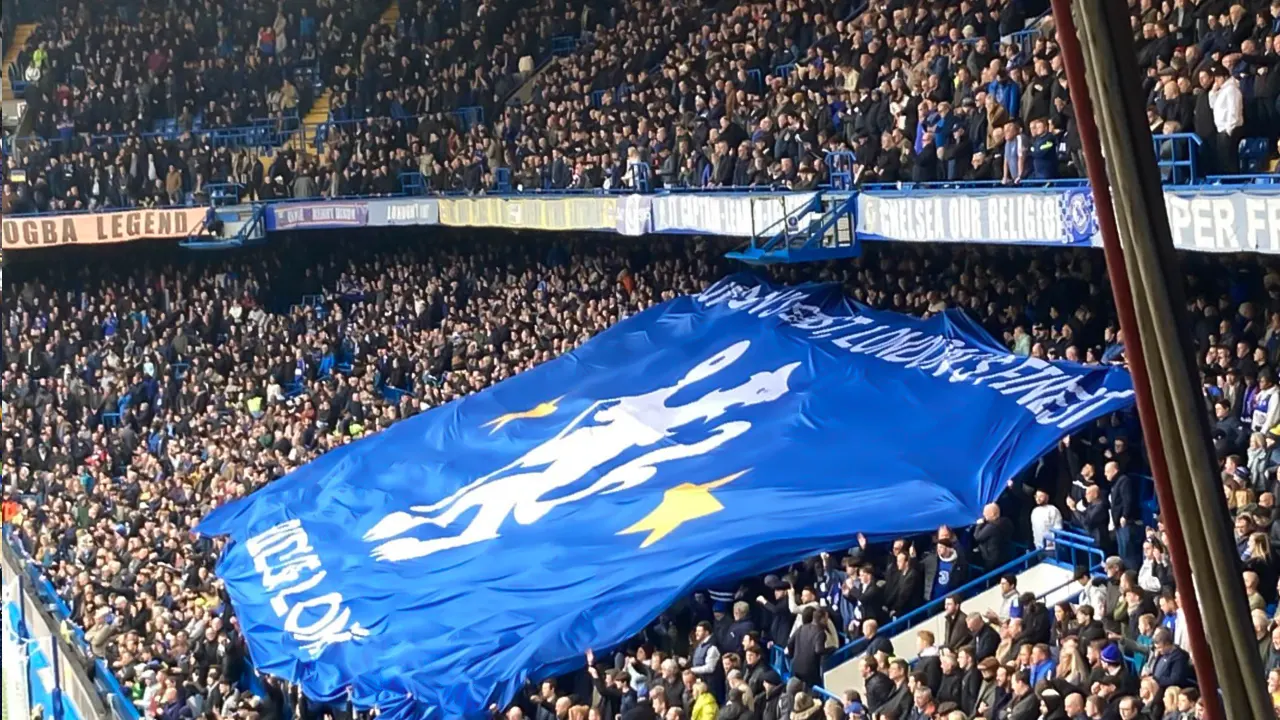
(944, 571)
(1042, 663)
(1016, 165)
(1007, 92)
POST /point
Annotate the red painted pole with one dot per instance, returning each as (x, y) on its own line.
(1073, 61)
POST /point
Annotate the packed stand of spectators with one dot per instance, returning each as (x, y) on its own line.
(139, 392)
(109, 70)
(938, 92)
(671, 95)
(136, 171)
(920, 96)
(442, 56)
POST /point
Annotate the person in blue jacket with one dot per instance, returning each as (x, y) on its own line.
(1170, 665)
(1043, 151)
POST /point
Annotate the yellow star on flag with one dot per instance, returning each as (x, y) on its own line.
(540, 410)
(679, 505)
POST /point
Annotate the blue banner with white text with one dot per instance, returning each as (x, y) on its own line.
(436, 566)
(324, 215)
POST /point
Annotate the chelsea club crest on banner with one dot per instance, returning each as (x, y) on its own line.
(432, 569)
(1079, 217)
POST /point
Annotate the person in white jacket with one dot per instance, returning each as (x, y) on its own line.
(1046, 519)
(1227, 102)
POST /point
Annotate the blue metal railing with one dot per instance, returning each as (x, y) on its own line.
(1245, 179)
(1176, 156)
(1080, 548)
(929, 609)
(109, 686)
(564, 44)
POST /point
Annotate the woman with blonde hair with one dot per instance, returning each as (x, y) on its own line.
(1261, 562)
(1073, 666)
(578, 712)
(705, 706)
(1257, 458)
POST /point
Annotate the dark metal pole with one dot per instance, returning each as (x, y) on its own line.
(1146, 279)
(1073, 61)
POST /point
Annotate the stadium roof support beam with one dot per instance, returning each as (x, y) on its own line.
(1101, 64)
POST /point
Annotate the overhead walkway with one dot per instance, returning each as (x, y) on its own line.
(1050, 577)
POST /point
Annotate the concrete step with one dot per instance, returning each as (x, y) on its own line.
(391, 14)
(19, 40)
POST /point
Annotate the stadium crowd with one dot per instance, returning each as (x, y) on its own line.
(140, 391)
(661, 94)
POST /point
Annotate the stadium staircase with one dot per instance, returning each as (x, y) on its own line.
(821, 229)
(305, 139)
(14, 46)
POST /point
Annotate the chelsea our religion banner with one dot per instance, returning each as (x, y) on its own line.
(436, 566)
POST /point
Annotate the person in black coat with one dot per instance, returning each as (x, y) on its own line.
(780, 618)
(900, 698)
(1126, 514)
(905, 586)
(869, 594)
(875, 641)
(1094, 516)
(807, 646)
(992, 537)
(877, 687)
(955, 627)
(985, 637)
(970, 680)
(950, 679)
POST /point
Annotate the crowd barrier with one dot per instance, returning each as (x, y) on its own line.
(1222, 218)
(63, 675)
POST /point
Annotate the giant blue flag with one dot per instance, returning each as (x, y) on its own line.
(435, 567)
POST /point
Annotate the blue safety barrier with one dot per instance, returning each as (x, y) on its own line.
(1177, 156)
(563, 45)
(412, 183)
(929, 609)
(107, 685)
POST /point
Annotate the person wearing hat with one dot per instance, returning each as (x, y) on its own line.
(1052, 706)
(957, 155)
(1112, 668)
(804, 707)
(989, 690)
(778, 609)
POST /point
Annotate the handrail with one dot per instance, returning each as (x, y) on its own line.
(852, 649)
(73, 633)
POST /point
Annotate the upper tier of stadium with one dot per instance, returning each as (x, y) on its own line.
(155, 104)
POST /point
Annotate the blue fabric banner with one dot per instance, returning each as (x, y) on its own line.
(317, 216)
(436, 566)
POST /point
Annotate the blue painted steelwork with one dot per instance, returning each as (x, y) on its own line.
(105, 680)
